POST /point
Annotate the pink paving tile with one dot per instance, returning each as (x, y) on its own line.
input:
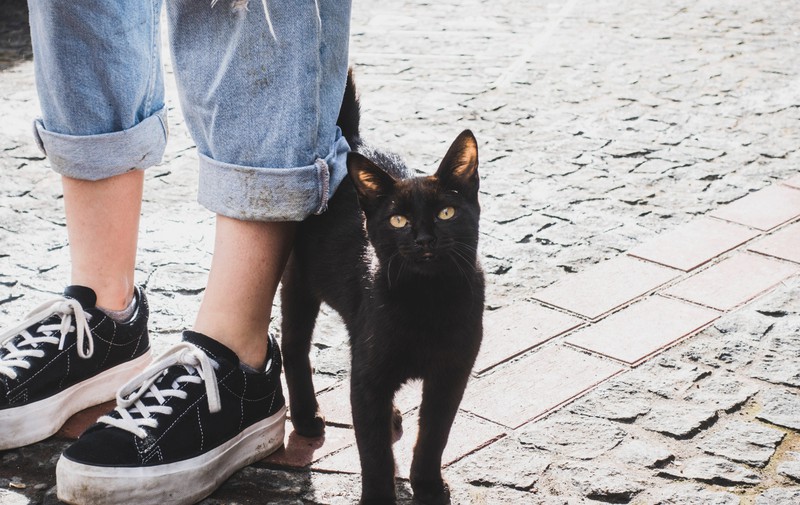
(78, 423)
(516, 392)
(469, 433)
(299, 452)
(733, 281)
(643, 328)
(605, 286)
(335, 403)
(693, 244)
(763, 210)
(513, 330)
(783, 244)
(793, 182)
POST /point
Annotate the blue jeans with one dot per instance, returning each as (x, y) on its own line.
(260, 92)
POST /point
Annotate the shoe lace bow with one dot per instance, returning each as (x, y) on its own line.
(145, 395)
(18, 351)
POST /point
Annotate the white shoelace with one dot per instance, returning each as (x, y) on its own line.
(199, 368)
(19, 352)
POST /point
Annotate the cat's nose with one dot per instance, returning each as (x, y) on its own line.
(425, 240)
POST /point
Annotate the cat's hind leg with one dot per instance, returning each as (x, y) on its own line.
(299, 308)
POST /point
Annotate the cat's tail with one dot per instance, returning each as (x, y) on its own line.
(350, 112)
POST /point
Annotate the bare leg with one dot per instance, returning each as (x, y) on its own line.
(103, 227)
(248, 261)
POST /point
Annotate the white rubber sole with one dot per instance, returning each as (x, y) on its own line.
(37, 421)
(180, 483)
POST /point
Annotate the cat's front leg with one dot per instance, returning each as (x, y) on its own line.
(299, 309)
(372, 420)
(441, 396)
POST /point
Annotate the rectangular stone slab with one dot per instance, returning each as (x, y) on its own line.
(733, 281)
(605, 286)
(643, 328)
(694, 243)
(516, 392)
(763, 210)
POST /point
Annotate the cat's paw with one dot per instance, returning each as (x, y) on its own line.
(309, 426)
(431, 492)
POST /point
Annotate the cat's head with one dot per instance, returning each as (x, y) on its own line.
(425, 225)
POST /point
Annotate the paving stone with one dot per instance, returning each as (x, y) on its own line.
(763, 210)
(78, 423)
(778, 362)
(8, 497)
(779, 496)
(498, 495)
(793, 182)
(791, 467)
(781, 407)
(665, 376)
(732, 281)
(689, 494)
(614, 402)
(645, 453)
(505, 463)
(601, 483)
(743, 442)
(468, 433)
(721, 391)
(605, 286)
(518, 327)
(335, 402)
(643, 328)
(572, 435)
(678, 419)
(693, 244)
(299, 451)
(784, 244)
(713, 470)
(553, 375)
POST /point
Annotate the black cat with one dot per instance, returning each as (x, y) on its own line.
(402, 271)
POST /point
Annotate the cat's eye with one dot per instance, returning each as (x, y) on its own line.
(398, 221)
(447, 213)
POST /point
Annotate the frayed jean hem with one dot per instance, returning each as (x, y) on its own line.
(272, 194)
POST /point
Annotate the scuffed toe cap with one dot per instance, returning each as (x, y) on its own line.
(101, 445)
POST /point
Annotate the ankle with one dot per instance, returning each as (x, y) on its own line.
(111, 295)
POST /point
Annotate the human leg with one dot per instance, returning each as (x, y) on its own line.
(260, 92)
(100, 123)
(248, 261)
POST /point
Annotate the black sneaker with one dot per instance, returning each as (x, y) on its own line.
(180, 429)
(67, 356)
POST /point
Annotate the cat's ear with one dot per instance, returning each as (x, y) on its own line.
(370, 180)
(459, 168)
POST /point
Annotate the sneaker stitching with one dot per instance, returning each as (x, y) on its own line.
(186, 410)
(61, 382)
(241, 400)
(260, 398)
(178, 418)
(200, 425)
(46, 365)
(111, 344)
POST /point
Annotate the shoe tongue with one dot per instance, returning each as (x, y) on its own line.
(85, 296)
(211, 347)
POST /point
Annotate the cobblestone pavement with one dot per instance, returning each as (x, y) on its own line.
(667, 375)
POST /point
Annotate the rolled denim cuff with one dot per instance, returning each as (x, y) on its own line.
(272, 194)
(96, 157)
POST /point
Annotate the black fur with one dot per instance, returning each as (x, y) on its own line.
(411, 298)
